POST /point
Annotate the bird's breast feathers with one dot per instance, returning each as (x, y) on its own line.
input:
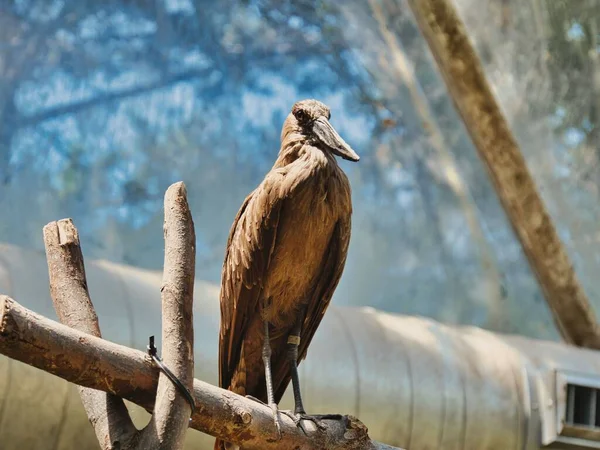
(306, 224)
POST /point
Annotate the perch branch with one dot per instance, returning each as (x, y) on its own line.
(172, 412)
(465, 78)
(99, 364)
(68, 288)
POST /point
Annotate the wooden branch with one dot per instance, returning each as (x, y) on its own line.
(464, 76)
(405, 71)
(68, 289)
(172, 412)
(99, 364)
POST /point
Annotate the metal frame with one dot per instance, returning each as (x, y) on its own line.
(574, 436)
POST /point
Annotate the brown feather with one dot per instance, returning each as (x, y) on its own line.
(286, 251)
(333, 266)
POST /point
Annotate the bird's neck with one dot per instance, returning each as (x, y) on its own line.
(304, 151)
(295, 146)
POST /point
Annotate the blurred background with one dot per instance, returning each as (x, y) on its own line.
(104, 104)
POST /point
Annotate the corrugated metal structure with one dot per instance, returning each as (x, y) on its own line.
(414, 382)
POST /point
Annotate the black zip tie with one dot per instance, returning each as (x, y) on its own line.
(169, 374)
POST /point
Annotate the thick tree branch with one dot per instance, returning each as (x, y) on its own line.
(99, 364)
(68, 288)
(172, 412)
(465, 78)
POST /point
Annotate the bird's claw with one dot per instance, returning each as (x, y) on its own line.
(276, 419)
(316, 419)
(297, 417)
(275, 410)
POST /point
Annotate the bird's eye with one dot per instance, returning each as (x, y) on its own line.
(300, 115)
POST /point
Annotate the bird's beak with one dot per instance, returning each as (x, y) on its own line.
(329, 137)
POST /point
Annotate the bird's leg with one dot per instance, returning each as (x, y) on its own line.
(266, 355)
(293, 342)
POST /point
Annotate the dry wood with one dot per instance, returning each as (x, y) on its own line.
(99, 364)
(490, 132)
(71, 299)
(68, 287)
(172, 412)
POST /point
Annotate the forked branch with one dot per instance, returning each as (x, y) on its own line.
(68, 288)
(107, 372)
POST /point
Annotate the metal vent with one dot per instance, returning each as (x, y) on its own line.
(583, 408)
(577, 411)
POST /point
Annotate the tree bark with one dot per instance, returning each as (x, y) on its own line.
(99, 364)
(464, 76)
(171, 415)
(68, 287)
(405, 71)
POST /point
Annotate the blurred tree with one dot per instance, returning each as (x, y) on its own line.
(103, 104)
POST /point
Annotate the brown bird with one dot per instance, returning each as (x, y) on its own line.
(285, 255)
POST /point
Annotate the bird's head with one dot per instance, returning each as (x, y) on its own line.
(311, 119)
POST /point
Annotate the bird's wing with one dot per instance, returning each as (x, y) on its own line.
(249, 249)
(333, 266)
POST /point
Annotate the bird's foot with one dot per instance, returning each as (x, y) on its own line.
(276, 419)
(298, 417)
(275, 410)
